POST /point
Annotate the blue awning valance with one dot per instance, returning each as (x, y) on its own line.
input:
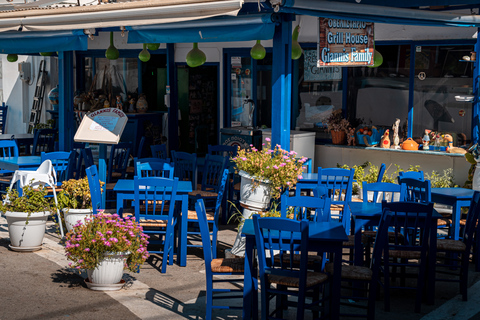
(251, 27)
(43, 41)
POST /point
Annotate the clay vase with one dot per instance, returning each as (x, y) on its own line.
(142, 105)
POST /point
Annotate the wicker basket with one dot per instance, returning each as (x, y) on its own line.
(338, 137)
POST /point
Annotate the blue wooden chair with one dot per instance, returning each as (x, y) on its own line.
(8, 148)
(155, 212)
(118, 161)
(212, 216)
(381, 172)
(406, 254)
(162, 168)
(379, 191)
(185, 166)
(3, 117)
(339, 183)
(217, 267)
(223, 150)
(316, 207)
(454, 253)
(44, 141)
(87, 157)
(159, 151)
(368, 278)
(411, 175)
(414, 190)
(95, 189)
(286, 239)
(78, 170)
(63, 164)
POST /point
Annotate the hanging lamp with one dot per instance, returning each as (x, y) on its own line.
(377, 58)
(153, 46)
(12, 57)
(296, 48)
(112, 52)
(46, 54)
(195, 57)
(258, 51)
(144, 55)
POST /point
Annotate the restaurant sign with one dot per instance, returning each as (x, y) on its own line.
(344, 43)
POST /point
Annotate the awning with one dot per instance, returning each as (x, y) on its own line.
(116, 14)
(251, 27)
(34, 42)
(373, 13)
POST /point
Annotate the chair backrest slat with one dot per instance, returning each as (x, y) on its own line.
(185, 166)
(162, 168)
(95, 189)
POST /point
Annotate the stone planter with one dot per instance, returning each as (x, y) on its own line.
(73, 216)
(26, 236)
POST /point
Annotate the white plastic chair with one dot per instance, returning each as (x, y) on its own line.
(44, 175)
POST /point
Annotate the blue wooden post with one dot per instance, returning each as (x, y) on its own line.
(65, 100)
(102, 171)
(173, 110)
(282, 83)
(411, 88)
(476, 102)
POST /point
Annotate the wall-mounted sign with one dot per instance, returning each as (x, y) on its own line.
(102, 126)
(312, 73)
(344, 43)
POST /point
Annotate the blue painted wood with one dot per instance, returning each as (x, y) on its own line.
(476, 102)
(173, 140)
(66, 127)
(95, 189)
(282, 83)
(411, 88)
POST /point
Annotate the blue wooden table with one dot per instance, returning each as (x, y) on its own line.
(20, 163)
(125, 190)
(457, 198)
(365, 214)
(323, 237)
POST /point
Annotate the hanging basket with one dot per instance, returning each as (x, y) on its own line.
(338, 137)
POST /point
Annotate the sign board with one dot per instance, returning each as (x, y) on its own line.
(102, 126)
(344, 43)
(312, 73)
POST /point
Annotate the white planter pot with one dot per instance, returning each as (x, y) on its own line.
(23, 236)
(73, 216)
(255, 198)
(109, 270)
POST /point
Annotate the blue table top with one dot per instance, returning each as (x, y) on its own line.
(15, 163)
(370, 209)
(461, 193)
(127, 185)
(333, 231)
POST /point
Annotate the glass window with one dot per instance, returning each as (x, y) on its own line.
(320, 91)
(443, 91)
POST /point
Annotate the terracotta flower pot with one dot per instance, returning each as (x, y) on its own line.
(338, 137)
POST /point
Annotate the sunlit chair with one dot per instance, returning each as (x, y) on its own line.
(155, 212)
(284, 278)
(217, 267)
(95, 189)
(163, 168)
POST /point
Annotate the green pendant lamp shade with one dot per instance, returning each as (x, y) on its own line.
(296, 48)
(46, 54)
(377, 59)
(153, 46)
(112, 52)
(195, 57)
(258, 51)
(144, 55)
(12, 57)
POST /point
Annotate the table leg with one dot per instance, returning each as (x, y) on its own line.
(120, 200)
(182, 244)
(249, 288)
(336, 283)
(432, 259)
(456, 210)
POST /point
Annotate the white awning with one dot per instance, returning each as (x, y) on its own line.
(115, 14)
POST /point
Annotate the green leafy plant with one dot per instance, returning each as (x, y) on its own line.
(278, 167)
(441, 181)
(87, 243)
(32, 200)
(75, 194)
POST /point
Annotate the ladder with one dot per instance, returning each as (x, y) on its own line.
(38, 97)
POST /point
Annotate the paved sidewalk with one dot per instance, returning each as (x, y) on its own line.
(40, 286)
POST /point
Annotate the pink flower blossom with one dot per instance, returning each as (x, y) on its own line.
(268, 139)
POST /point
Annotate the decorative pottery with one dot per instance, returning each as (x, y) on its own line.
(195, 57)
(109, 270)
(74, 216)
(338, 137)
(258, 51)
(255, 195)
(53, 97)
(296, 48)
(153, 46)
(144, 55)
(142, 104)
(112, 52)
(409, 144)
(12, 57)
(26, 236)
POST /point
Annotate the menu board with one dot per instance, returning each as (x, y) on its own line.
(102, 126)
(344, 42)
